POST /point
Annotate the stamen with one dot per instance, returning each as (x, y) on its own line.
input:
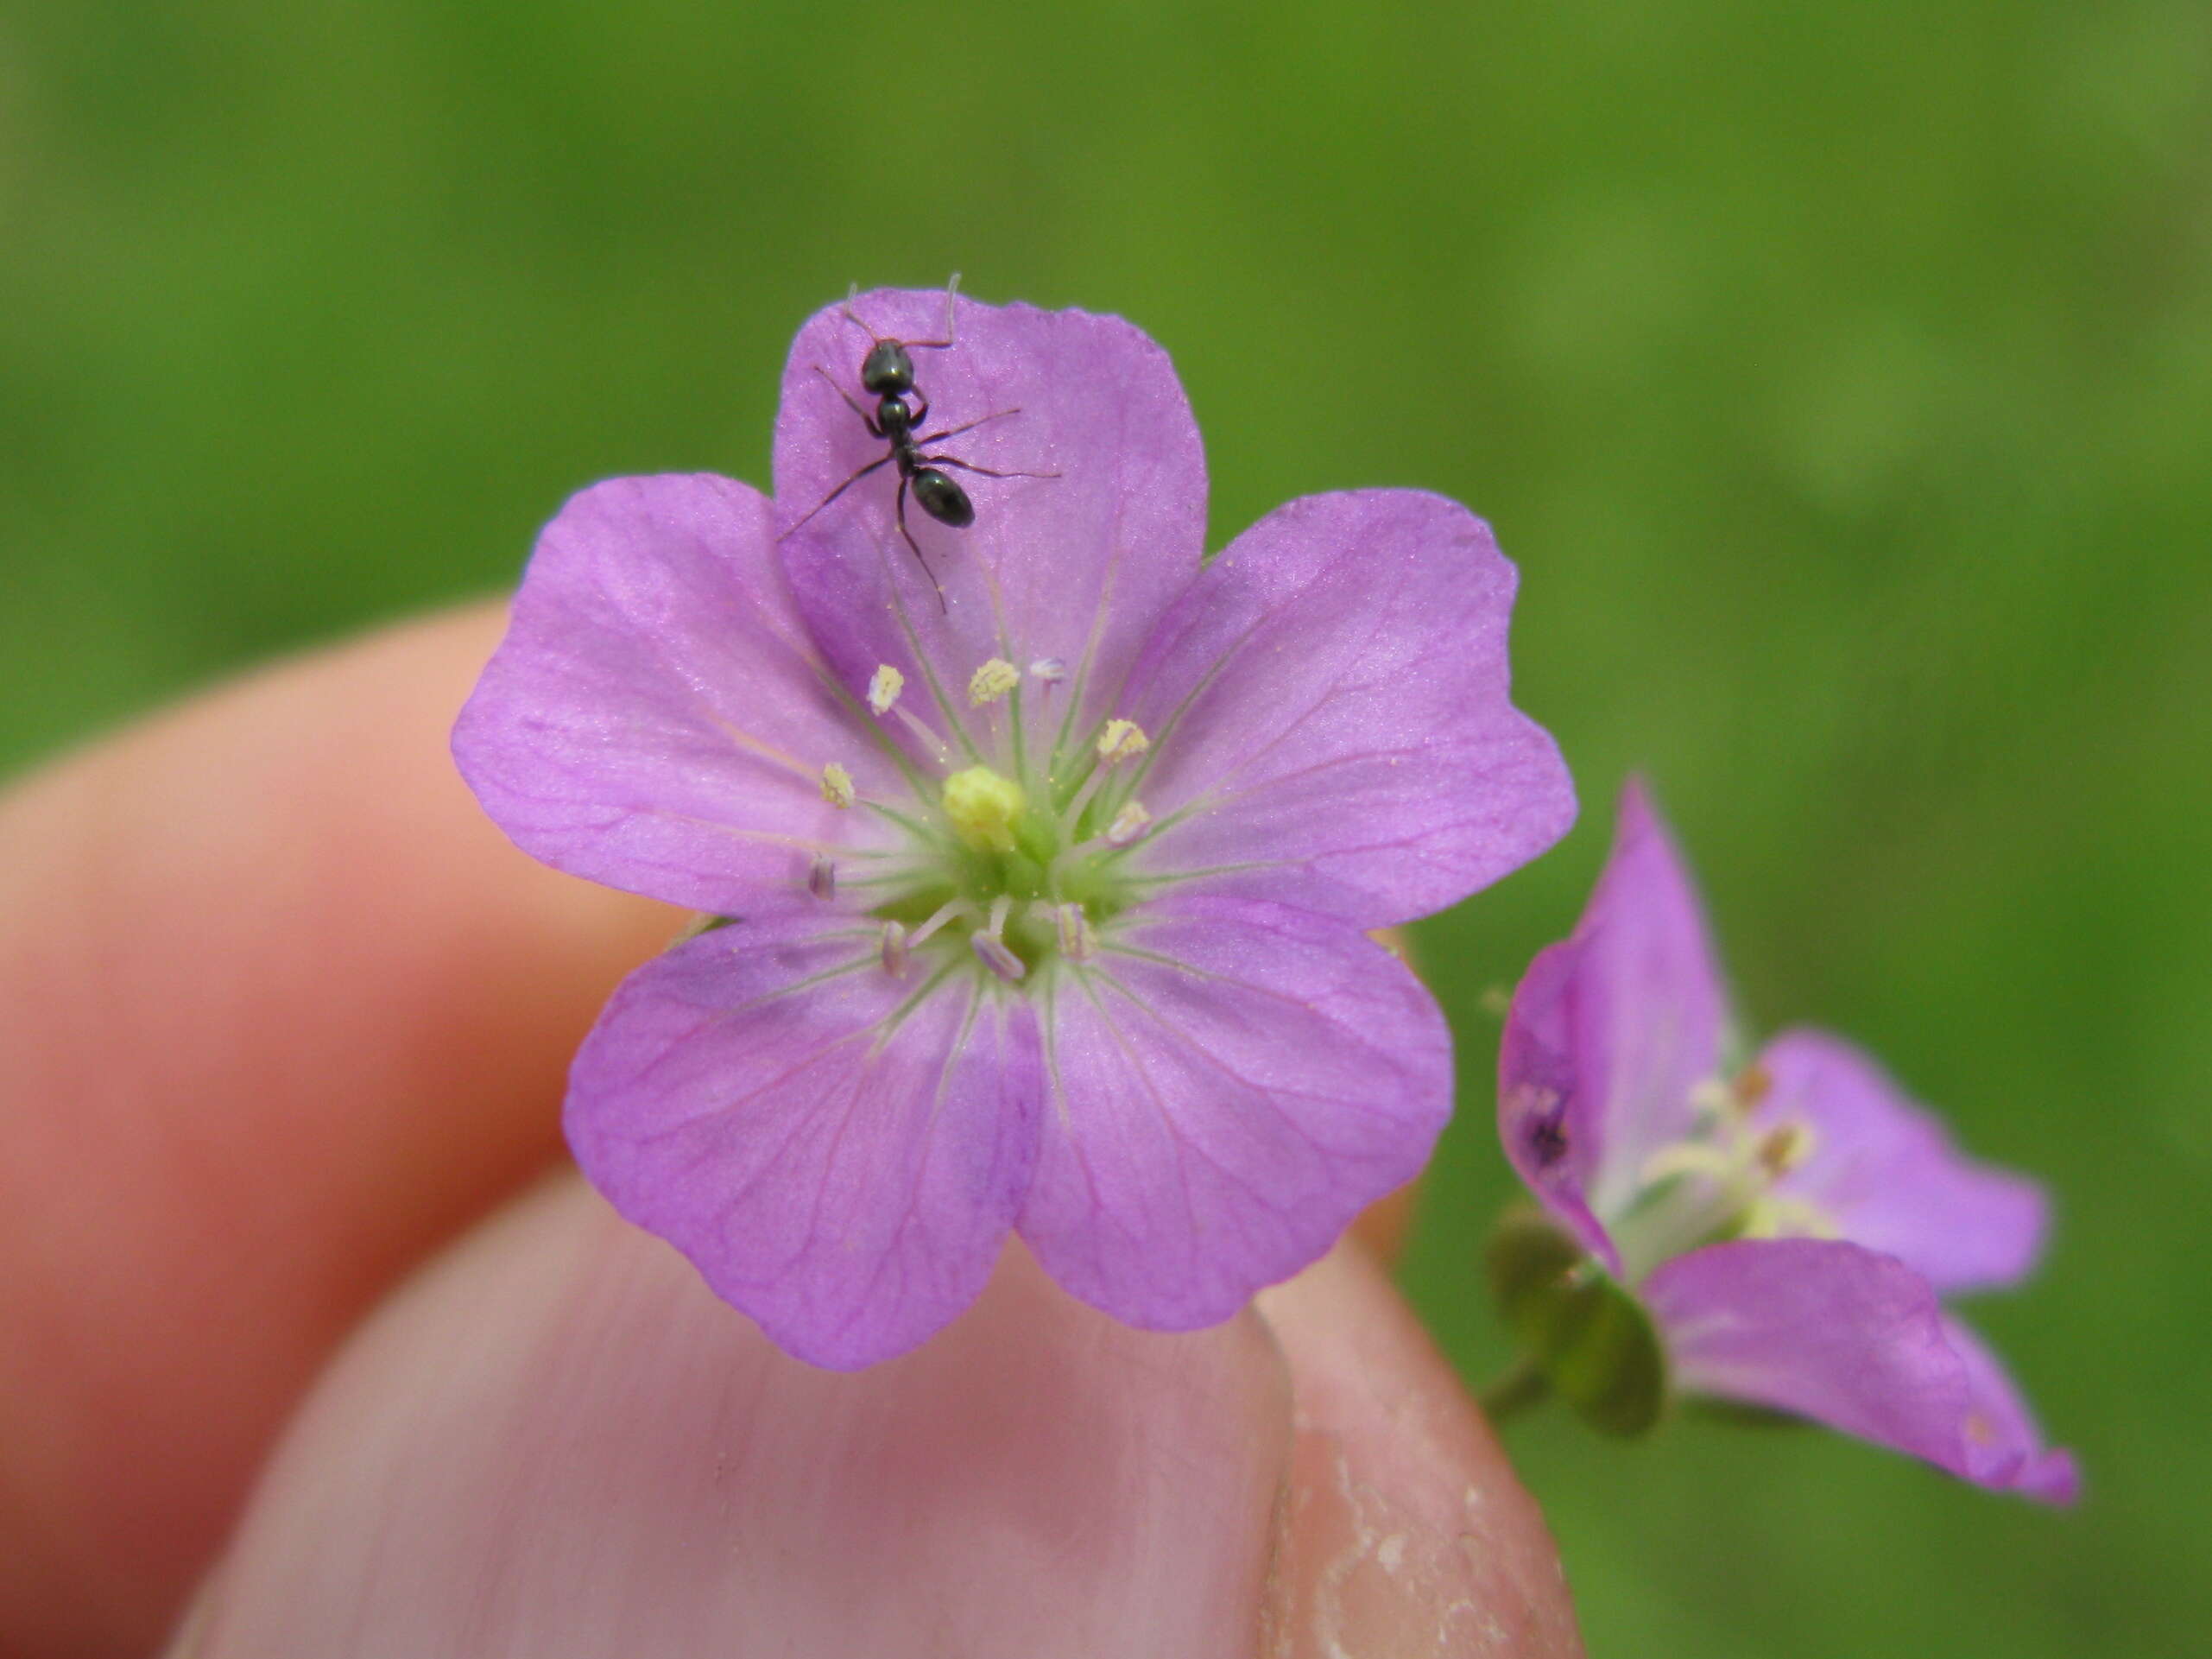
(895, 948)
(930, 740)
(1078, 939)
(1779, 1215)
(1712, 1100)
(943, 913)
(990, 946)
(1122, 740)
(822, 878)
(836, 785)
(1690, 1158)
(1786, 1146)
(1050, 669)
(994, 954)
(884, 686)
(1752, 1086)
(1128, 824)
(992, 682)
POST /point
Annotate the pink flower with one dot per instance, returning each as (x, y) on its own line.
(1049, 906)
(1788, 1224)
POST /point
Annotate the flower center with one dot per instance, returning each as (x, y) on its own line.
(1015, 860)
(1719, 1181)
(984, 808)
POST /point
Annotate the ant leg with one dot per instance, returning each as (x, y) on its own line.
(970, 467)
(839, 491)
(914, 546)
(921, 414)
(954, 432)
(952, 288)
(866, 419)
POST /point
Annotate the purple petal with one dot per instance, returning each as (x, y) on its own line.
(1331, 715)
(1887, 1174)
(1547, 1119)
(1074, 569)
(1854, 1340)
(655, 718)
(2003, 1445)
(1230, 1084)
(840, 1152)
(1641, 1008)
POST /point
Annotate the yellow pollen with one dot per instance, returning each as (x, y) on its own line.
(1128, 825)
(883, 688)
(837, 785)
(1122, 740)
(984, 807)
(992, 682)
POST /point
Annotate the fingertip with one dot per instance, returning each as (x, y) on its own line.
(1406, 1532)
(557, 1441)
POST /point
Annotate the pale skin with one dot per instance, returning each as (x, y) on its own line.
(283, 1023)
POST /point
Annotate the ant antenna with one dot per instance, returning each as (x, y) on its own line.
(951, 292)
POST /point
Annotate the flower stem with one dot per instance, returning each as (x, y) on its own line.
(1521, 1385)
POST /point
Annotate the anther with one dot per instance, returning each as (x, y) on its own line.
(1752, 1086)
(836, 785)
(991, 944)
(822, 878)
(1078, 939)
(995, 955)
(895, 948)
(1786, 1146)
(884, 686)
(1122, 740)
(1128, 824)
(992, 682)
(1050, 669)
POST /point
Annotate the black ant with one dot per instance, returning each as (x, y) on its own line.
(887, 374)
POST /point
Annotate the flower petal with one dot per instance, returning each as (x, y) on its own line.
(1074, 568)
(1330, 714)
(1855, 1339)
(1887, 1174)
(1640, 1011)
(1229, 1084)
(654, 719)
(2003, 1443)
(1548, 1116)
(839, 1152)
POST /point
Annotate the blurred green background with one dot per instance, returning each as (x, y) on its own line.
(1840, 378)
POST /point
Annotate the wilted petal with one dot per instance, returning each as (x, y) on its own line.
(1852, 1338)
(839, 1151)
(1548, 1118)
(1228, 1084)
(654, 719)
(1331, 715)
(1888, 1174)
(1072, 570)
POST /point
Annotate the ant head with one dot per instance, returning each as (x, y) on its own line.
(887, 369)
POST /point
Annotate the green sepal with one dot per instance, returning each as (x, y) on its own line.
(1588, 1336)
